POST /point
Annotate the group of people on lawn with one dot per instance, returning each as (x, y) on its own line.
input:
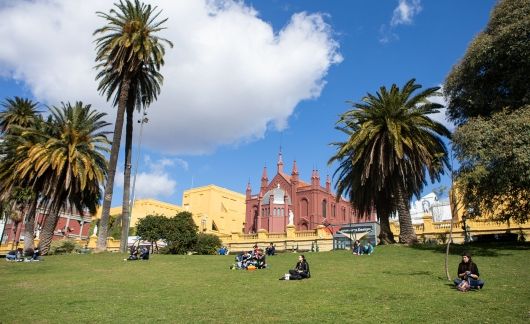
(467, 269)
(18, 255)
(134, 251)
(359, 249)
(254, 259)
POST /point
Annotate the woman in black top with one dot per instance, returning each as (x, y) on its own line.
(468, 270)
(301, 270)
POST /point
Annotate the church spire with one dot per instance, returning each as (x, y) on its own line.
(264, 179)
(280, 161)
(328, 183)
(295, 169)
(249, 190)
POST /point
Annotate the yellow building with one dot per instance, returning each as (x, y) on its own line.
(215, 209)
(144, 207)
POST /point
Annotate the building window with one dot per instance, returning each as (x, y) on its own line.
(324, 209)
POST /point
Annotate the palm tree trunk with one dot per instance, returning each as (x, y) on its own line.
(29, 227)
(113, 161)
(125, 211)
(46, 234)
(383, 213)
(407, 234)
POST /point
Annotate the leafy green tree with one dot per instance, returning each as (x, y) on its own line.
(207, 244)
(67, 162)
(493, 74)
(392, 149)
(129, 55)
(494, 177)
(152, 228)
(181, 233)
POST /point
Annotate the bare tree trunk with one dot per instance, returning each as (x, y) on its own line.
(407, 234)
(454, 214)
(29, 228)
(125, 211)
(113, 161)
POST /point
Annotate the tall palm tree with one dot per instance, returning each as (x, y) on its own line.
(393, 148)
(67, 163)
(18, 113)
(129, 55)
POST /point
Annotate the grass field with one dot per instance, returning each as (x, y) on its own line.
(397, 284)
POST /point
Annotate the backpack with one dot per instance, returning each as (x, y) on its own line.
(463, 286)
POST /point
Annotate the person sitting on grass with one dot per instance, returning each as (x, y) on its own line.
(11, 255)
(271, 249)
(260, 259)
(134, 254)
(368, 248)
(36, 255)
(144, 255)
(357, 249)
(468, 270)
(301, 270)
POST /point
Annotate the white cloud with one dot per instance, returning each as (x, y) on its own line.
(154, 183)
(229, 78)
(403, 14)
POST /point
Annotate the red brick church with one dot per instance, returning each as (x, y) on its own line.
(288, 200)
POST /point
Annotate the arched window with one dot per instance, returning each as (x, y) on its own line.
(324, 208)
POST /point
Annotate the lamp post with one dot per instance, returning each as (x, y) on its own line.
(143, 120)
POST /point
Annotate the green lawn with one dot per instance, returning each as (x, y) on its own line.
(395, 285)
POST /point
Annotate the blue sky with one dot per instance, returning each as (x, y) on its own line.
(243, 79)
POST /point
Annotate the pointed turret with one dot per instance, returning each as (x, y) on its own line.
(280, 161)
(264, 179)
(328, 183)
(294, 173)
(315, 178)
(249, 190)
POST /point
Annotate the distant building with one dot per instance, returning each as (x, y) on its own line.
(144, 207)
(70, 225)
(288, 200)
(429, 205)
(215, 209)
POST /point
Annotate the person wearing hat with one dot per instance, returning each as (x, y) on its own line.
(468, 270)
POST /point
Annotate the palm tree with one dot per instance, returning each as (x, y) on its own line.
(18, 114)
(393, 147)
(129, 55)
(67, 163)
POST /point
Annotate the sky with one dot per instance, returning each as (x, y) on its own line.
(244, 78)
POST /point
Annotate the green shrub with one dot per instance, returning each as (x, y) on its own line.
(207, 244)
(64, 246)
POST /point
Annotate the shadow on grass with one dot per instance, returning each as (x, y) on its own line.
(487, 249)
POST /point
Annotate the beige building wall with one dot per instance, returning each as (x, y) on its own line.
(215, 209)
(144, 207)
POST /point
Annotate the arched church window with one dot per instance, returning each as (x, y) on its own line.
(324, 208)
